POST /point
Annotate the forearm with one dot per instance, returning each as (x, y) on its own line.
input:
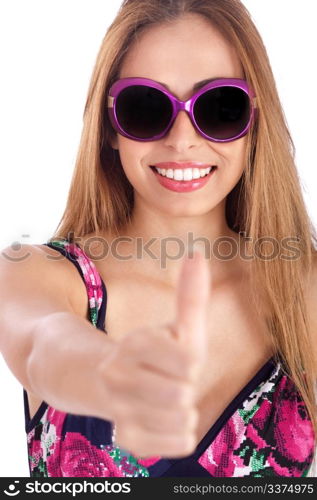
(63, 366)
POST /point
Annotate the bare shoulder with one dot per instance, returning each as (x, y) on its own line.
(71, 279)
(22, 258)
(45, 267)
(35, 257)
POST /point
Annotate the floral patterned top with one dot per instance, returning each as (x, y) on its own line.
(264, 431)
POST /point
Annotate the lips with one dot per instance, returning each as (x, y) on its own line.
(183, 186)
(182, 165)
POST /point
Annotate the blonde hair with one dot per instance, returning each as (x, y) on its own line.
(267, 201)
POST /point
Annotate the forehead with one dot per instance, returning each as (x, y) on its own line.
(181, 53)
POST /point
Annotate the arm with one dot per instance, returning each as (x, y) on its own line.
(146, 382)
(49, 348)
(63, 364)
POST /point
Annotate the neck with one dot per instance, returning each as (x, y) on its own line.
(161, 240)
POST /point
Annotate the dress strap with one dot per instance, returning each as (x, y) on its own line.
(96, 290)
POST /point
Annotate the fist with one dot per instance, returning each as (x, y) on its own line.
(152, 374)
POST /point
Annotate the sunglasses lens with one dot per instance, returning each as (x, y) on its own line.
(223, 112)
(143, 112)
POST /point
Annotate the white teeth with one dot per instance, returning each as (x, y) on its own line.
(178, 174)
(169, 173)
(186, 174)
(196, 173)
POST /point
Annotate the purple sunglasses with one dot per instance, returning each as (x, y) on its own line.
(144, 110)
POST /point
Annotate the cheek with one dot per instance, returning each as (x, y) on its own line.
(241, 158)
(237, 160)
(132, 155)
(128, 151)
(232, 155)
(232, 162)
(236, 155)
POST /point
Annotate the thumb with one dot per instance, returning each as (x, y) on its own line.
(191, 302)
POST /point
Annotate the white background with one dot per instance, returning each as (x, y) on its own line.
(48, 49)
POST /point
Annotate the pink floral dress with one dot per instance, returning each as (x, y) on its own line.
(264, 431)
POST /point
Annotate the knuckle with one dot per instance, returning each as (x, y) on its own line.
(184, 445)
(134, 439)
(193, 356)
(186, 420)
(120, 411)
(188, 358)
(181, 394)
(189, 443)
(114, 380)
(192, 420)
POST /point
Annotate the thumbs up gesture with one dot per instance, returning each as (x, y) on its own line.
(152, 374)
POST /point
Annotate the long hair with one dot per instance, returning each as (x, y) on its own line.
(266, 203)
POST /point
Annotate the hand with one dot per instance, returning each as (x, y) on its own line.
(151, 376)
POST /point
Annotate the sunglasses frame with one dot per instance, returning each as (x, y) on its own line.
(178, 105)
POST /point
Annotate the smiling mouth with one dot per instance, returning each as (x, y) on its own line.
(186, 174)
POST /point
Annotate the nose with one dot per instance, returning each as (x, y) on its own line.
(182, 134)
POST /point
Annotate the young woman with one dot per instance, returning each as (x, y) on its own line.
(137, 356)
